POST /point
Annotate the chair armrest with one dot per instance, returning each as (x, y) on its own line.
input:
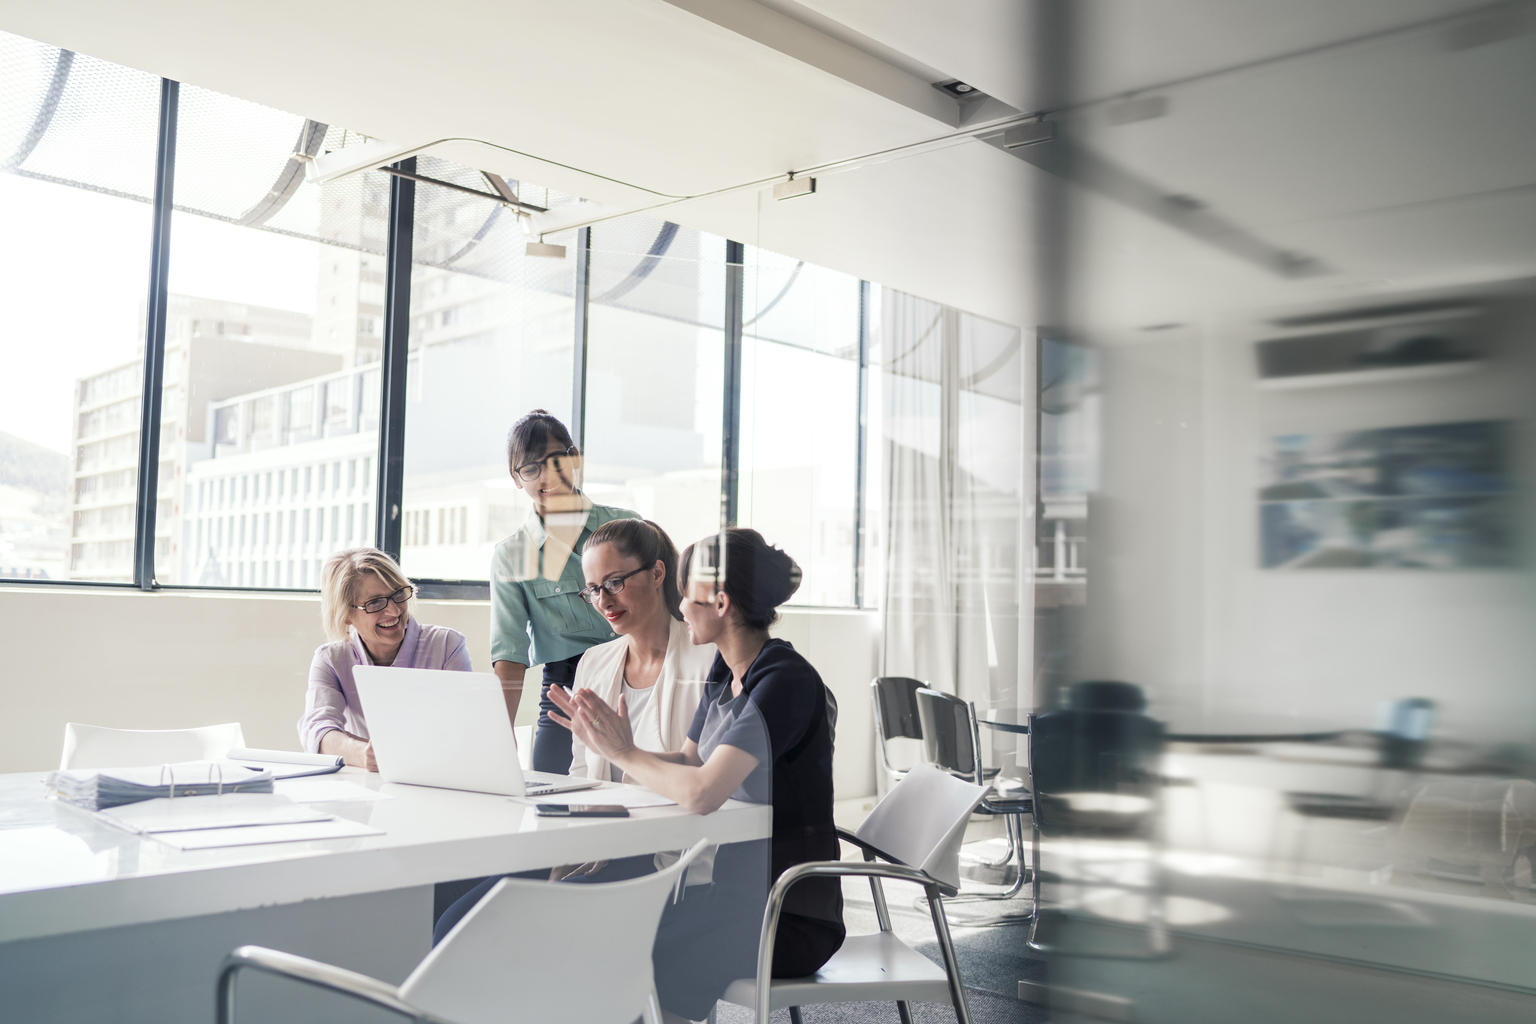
(870, 850)
(824, 869)
(310, 972)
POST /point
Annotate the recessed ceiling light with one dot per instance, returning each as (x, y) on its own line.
(959, 90)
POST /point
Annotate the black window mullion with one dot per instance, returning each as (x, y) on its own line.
(730, 454)
(396, 357)
(154, 340)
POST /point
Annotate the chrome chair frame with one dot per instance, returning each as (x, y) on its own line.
(933, 889)
(1011, 811)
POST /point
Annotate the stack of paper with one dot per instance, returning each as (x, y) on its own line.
(98, 789)
(286, 764)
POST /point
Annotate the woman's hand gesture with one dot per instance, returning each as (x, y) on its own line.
(592, 721)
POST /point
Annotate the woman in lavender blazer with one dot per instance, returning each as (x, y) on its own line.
(365, 603)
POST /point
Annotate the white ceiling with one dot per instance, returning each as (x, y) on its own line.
(632, 101)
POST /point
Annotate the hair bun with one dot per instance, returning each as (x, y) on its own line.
(782, 578)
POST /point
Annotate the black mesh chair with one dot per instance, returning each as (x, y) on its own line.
(952, 742)
(895, 704)
(1093, 772)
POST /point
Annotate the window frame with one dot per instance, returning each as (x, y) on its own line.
(388, 499)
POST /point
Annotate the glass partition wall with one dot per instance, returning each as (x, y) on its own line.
(1284, 756)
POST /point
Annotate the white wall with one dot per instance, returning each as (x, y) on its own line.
(175, 659)
(1178, 603)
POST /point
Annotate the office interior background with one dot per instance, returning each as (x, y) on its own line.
(1189, 344)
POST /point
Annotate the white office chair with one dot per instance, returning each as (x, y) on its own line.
(95, 746)
(917, 829)
(510, 958)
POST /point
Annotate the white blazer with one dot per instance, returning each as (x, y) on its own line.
(662, 726)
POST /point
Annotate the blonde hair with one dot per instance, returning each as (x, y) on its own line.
(342, 578)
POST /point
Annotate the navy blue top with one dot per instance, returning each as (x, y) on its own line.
(780, 718)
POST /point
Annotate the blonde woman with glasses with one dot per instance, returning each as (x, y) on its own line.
(365, 605)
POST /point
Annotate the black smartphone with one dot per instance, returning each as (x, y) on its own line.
(583, 811)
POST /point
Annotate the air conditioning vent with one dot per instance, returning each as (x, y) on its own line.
(1374, 349)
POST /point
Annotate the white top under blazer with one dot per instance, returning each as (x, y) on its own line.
(661, 723)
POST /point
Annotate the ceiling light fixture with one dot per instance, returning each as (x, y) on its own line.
(794, 187)
(959, 90)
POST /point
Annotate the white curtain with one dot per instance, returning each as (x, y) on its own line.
(955, 499)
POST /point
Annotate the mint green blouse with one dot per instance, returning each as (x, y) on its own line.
(535, 620)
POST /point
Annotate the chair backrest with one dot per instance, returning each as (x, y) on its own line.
(1091, 752)
(1106, 695)
(532, 951)
(949, 733)
(921, 822)
(95, 746)
(895, 704)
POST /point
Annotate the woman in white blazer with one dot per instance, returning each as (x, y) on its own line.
(653, 673)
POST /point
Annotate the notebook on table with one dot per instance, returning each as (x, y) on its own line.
(431, 727)
(286, 764)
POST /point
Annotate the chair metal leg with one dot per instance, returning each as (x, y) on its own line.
(951, 962)
(1033, 942)
(794, 1015)
(904, 1011)
(1015, 843)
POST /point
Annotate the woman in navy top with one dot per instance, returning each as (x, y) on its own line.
(761, 734)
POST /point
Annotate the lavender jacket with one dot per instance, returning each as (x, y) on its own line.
(332, 701)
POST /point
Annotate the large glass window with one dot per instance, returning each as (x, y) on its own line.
(799, 417)
(77, 166)
(269, 422)
(655, 373)
(491, 337)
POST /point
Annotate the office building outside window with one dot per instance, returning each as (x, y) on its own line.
(492, 333)
(270, 417)
(655, 372)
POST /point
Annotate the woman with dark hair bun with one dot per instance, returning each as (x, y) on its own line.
(537, 615)
(762, 733)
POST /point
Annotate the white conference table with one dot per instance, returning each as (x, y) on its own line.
(100, 924)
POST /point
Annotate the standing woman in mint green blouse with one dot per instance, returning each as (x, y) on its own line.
(537, 614)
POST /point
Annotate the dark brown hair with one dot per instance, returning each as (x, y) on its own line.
(758, 576)
(530, 436)
(644, 540)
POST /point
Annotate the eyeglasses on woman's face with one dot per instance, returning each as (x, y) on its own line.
(613, 585)
(556, 461)
(378, 604)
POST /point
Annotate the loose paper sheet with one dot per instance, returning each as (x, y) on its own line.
(256, 835)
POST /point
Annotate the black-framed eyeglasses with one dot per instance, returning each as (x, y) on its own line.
(612, 584)
(531, 470)
(377, 604)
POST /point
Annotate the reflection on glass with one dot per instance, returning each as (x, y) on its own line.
(77, 164)
(269, 420)
(492, 331)
(1283, 676)
(654, 373)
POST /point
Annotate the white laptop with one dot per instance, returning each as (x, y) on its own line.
(431, 727)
